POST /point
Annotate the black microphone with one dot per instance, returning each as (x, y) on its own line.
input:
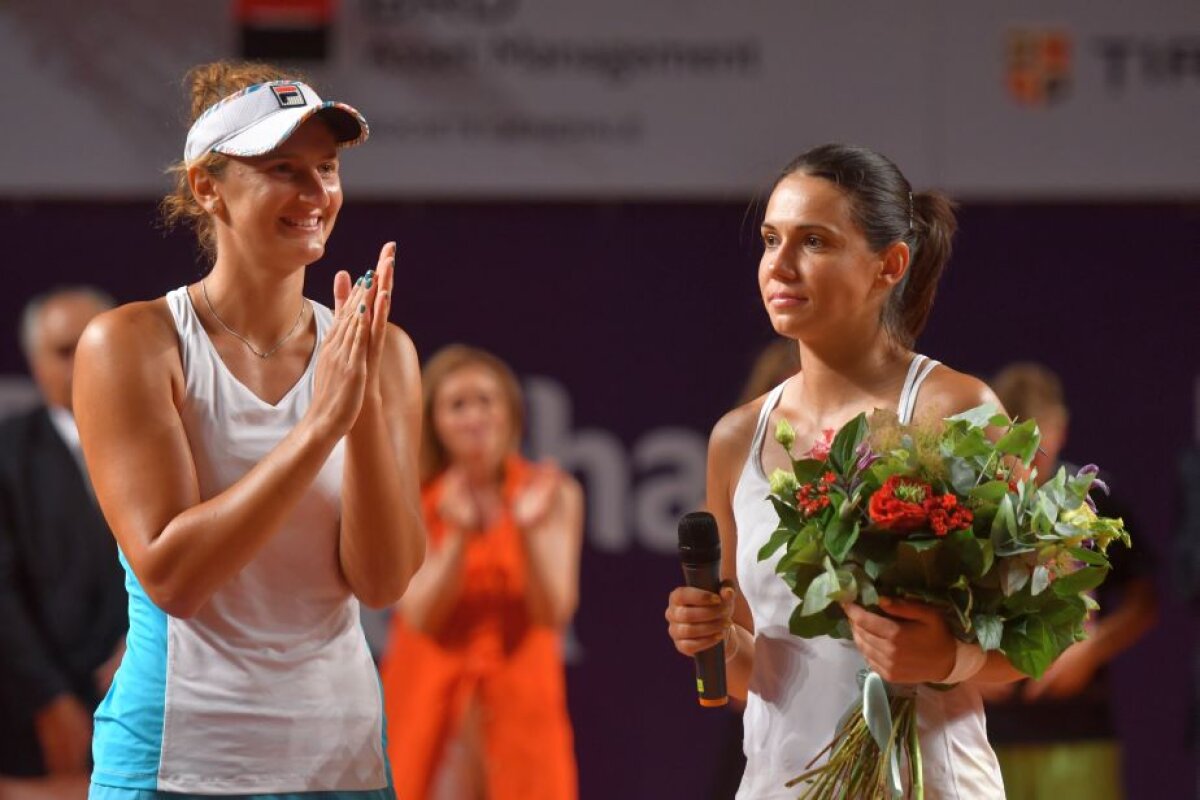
(700, 552)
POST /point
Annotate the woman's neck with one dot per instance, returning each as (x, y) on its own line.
(841, 373)
(258, 304)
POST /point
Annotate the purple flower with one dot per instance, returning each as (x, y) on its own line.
(865, 457)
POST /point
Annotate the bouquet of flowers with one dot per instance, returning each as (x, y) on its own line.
(939, 515)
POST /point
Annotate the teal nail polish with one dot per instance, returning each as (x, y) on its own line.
(362, 307)
(370, 282)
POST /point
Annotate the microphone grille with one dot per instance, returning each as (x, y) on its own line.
(698, 532)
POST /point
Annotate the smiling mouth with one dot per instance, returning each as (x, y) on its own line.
(310, 224)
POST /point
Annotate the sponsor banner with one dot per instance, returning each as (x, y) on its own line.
(630, 98)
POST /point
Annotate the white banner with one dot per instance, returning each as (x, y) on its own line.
(631, 98)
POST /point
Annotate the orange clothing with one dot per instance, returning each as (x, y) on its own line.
(490, 653)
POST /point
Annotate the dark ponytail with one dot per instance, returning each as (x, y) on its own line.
(887, 210)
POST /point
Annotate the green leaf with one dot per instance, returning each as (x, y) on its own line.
(992, 491)
(977, 417)
(1040, 580)
(840, 536)
(1004, 524)
(1088, 556)
(1079, 581)
(819, 594)
(1028, 645)
(778, 539)
(788, 516)
(963, 474)
(868, 595)
(808, 470)
(974, 443)
(921, 545)
(841, 451)
(988, 630)
(873, 568)
(1021, 441)
(971, 556)
(1014, 574)
(847, 591)
(809, 626)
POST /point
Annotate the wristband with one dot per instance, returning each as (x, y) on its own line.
(968, 660)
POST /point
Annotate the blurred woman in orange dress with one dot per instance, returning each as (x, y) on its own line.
(473, 679)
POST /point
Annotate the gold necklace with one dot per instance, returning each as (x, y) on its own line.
(244, 340)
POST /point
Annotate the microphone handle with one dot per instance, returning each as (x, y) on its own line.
(710, 663)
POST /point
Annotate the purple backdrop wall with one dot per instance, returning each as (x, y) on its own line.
(648, 314)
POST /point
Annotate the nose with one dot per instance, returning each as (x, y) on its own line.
(315, 190)
(781, 264)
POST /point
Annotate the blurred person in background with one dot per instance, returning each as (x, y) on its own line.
(1054, 736)
(474, 678)
(773, 365)
(62, 590)
(255, 454)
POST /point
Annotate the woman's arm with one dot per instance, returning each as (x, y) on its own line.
(435, 588)
(127, 389)
(382, 542)
(696, 619)
(549, 515)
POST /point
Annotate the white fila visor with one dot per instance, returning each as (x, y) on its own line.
(259, 118)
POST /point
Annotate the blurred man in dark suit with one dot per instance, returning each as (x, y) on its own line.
(62, 596)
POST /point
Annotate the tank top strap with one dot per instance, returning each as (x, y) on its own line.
(760, 430)
(187, 325)
(918, 371)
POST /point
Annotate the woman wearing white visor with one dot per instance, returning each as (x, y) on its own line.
(255, 454)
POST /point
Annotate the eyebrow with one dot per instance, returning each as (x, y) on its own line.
(766, 223)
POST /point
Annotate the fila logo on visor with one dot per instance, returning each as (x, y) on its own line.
(289, 95)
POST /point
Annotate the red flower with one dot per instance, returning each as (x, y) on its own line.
(898, 506)
(945, 514)
(812, 497)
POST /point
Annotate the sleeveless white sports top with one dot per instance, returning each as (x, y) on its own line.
(800, 688)
(269, 687)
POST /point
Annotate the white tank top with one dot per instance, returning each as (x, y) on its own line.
(800, 688)
(270, 687)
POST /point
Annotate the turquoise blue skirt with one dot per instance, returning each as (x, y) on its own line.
(98, 792)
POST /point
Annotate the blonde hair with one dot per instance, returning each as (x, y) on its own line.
(206, 84)
(1030, 391)
(445, 362)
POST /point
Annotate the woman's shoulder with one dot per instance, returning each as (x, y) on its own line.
(143, 326)
(948, 392)
(733, 434)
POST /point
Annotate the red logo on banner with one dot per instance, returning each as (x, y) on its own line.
(1039, 66)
